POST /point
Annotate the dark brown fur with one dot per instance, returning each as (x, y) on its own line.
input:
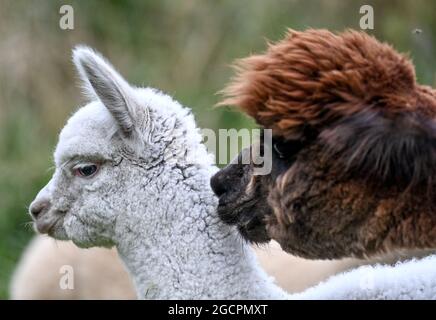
(361, 178)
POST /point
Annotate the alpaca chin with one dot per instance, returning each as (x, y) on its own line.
(254, 232)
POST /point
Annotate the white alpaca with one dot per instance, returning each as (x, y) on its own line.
(131, 172)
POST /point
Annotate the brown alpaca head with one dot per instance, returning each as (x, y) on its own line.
(354, 161)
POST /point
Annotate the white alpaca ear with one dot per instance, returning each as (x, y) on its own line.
(103, 82)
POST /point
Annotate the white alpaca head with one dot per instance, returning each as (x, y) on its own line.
(110, 155)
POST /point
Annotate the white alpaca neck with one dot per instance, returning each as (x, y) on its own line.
(189, 253)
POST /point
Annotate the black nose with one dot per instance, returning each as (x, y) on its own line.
(217, 184)
(37, 207)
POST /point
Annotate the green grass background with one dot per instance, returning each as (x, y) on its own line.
(182, 47)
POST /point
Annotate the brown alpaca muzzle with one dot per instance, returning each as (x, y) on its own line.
(241, 203)
(243, 195)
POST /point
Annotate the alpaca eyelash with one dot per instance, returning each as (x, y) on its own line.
(87, 160)
(65, 164)
(72, 165)
(277, 150)
(84, 164)
(287, 149)
(78, 170)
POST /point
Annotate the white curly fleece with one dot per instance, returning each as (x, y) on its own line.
(190, 253)
(151, 199)
(414, 279)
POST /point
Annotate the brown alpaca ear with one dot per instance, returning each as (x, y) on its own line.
(399, 149)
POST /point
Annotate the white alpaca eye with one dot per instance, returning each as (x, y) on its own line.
(87, 170)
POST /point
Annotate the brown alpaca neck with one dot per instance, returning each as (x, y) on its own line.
(405, 223)
(318, 216)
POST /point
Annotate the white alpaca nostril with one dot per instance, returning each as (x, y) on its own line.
(37, 207)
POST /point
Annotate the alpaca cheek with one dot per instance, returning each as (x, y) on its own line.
(283, 213)
(92, 233)
(75, 230)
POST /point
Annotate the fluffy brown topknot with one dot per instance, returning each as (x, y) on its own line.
(313, 78)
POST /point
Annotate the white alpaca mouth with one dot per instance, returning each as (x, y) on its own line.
(46, 224)
(43, 227)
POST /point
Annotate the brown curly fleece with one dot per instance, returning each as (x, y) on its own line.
(364, 180)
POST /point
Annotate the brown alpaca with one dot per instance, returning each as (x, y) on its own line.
(354, 161)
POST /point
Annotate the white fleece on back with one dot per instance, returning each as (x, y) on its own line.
(414, 279)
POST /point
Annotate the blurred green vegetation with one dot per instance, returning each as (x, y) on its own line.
(182, 47)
